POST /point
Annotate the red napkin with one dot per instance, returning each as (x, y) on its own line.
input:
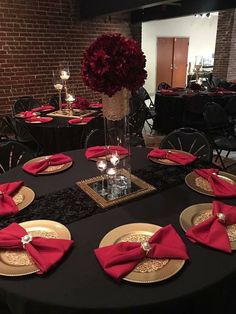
(220, 187)
(27, 114)
(95, 105)
(41, 119)
(45, 252)
(168, 92)
(100, 151)
(42, 108)
(38, 166)
(81, 120)
(178, 157)
(212, 231)
(7, 205)
(119, 259)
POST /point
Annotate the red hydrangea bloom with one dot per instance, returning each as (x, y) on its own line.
(113, 62)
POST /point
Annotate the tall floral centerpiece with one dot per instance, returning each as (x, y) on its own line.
(115, 65)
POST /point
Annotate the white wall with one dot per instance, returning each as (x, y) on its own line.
(201, 33)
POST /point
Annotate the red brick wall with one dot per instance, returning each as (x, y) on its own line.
(225, 51)
(35, 35)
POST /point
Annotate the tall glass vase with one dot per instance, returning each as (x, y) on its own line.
(116, 129)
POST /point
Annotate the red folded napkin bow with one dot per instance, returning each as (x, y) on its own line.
(212, 232)
(81, 120)
(45, 252)
(7, 205)
(40, 119)
(100, 151)
(27, 114)
(178, 157)
(42, 164)
(119, 259)
(220, 187)
(42, 108)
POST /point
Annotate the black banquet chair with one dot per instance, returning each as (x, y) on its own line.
(13, 154)
(189, 140)
(25, 103)
(220, 131)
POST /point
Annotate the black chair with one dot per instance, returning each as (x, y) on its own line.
(163, 85)
(230, 109)
(13, 154)
(54, 100)
(189, 140)
(145, 97)
(25, 103)
(6, 130)
(193, 111)
(96, 137)
(220, 131)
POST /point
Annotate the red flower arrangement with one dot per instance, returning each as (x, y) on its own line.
(113, 62)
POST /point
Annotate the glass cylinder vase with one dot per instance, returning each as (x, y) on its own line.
(116, 129)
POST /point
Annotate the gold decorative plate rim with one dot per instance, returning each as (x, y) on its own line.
(28, 197)
(44, 172)
(188, 214)
(170, 269)
(38, 122)
(30, 226)
(168, 162)
(190, 182)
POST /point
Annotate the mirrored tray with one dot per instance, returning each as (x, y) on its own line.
(16, 262)
(76, 113)
(197, 213)
(149, 270)
(201, 185)
(135, 188)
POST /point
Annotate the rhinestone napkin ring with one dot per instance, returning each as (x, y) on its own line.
(146, 246)
(26, 239)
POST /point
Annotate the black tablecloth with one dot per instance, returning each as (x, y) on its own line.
(58, 135)
(79, 285)
(170, 110)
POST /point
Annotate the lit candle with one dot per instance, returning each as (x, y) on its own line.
(111, 172)
(114, 160)
(64, 75)
(70, 98)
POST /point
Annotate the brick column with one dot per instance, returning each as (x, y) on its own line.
(225, 50)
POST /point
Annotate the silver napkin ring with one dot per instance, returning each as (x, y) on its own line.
(26, 239)
(145, 245)
(47, 158)
(221, 217)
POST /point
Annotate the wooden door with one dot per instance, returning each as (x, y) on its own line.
(164, 60)
(172, 56)
(180, 60)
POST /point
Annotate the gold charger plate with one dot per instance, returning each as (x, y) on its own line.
(19, 115)
(201, 185)
(197, 213)
(23, 197)
(51, 169)
(16, 262)
(168, 162)
(149, 270)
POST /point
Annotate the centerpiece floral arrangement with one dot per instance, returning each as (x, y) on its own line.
(113, 62)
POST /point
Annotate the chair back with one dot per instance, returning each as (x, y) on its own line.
(96, 137)
(137, 119)
(54, 100)
(163, 85)
(13, 154)
(189, 140)
(25, 103)
(216, 117)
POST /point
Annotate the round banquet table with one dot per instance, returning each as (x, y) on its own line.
(58, 135)
(170, 109)
(79, 285)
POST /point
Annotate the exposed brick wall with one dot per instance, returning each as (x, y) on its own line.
(35, 35)
(225, 51)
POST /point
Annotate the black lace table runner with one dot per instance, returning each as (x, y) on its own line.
(71, 204)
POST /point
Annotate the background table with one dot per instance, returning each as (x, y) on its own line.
(79, 285)
(170, 109)
(58, 135)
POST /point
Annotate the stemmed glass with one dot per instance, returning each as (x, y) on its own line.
(64, 73)
(58, 85)
(102, 166)
(70, 98)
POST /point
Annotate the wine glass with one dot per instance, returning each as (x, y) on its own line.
(102, 166)
(58, 85)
